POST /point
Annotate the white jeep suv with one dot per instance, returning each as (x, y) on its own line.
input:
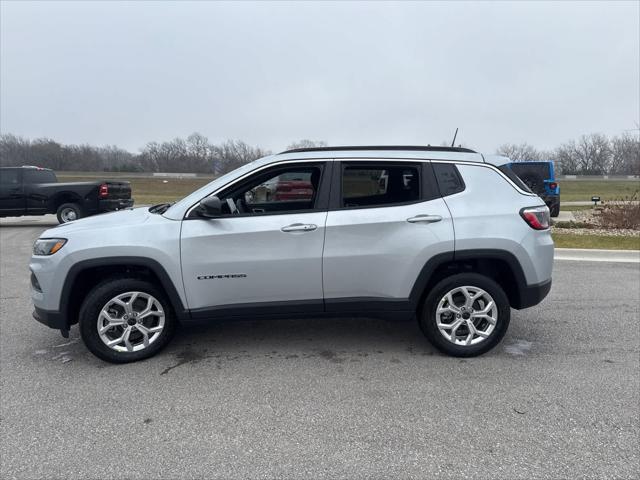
(446, 235)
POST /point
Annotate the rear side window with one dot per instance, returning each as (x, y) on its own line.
(530, 168)
(380, 185)
(9, 176)
(449, 179)
(514, 178)
(39, 176)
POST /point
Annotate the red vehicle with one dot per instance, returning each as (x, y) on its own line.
(291, 187)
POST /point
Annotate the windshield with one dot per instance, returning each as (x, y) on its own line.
(179, 208)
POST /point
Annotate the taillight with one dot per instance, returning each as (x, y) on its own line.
(536, 217)
(104, 190)
(553, 185)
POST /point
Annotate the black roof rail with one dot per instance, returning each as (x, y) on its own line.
(428, 148)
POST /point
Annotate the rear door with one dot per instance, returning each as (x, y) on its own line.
(386, 221)
(37, 198)
(12, 199)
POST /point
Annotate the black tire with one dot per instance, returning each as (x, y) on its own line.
(65, 209)
(97, 299)
(428, 322)
(554, 211)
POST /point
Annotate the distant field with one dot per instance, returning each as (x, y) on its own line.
(578, 190)
(145, 191)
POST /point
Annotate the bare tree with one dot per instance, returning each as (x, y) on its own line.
(625, 155)
(593, 154)
(520, 152)
(307, 144)
(235, 153)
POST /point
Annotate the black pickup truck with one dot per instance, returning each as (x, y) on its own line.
(36, 191)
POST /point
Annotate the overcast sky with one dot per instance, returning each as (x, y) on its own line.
(348, 73)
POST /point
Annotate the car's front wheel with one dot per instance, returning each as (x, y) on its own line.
(126, 319)
(465, 315)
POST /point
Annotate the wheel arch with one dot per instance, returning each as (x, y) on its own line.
(64, 197)
(85, 275)
(499, 265)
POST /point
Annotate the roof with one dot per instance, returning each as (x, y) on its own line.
(412, 148)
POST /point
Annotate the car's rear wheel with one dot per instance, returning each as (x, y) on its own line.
(554, 211)
(68, 212)
(465, 315)
(125, 320)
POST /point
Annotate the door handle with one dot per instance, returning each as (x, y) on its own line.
(424, 219)
(299, 227)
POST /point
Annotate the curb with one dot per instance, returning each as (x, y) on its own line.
(597, 255)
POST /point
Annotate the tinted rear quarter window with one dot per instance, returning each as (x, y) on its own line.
(39, 176)
(449, 178)
(514, 178)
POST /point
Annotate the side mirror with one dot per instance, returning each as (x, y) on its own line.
(210, 207)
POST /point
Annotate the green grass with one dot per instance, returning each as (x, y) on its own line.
(575, 208)
(146, 191)
(583, 190)
(569, 240)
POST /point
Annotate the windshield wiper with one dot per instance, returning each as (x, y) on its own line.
(160, 208)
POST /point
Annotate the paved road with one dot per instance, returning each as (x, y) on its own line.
(559, 398)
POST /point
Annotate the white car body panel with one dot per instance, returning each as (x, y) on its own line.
(278, 266)
(376, 252)
(488, 218)
(126, 233)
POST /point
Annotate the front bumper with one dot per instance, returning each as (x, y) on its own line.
(52, 320)
(112, 204)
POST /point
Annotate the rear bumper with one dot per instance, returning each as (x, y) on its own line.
(533, 294)
(52, 320)
(111, 204)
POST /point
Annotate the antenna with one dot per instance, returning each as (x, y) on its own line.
(454, 137)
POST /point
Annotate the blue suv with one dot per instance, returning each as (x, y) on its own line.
(540, 178)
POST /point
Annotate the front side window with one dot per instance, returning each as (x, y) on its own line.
(9, 176)
(379, 185)
(280, 190)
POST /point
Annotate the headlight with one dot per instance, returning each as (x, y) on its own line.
(48, 246)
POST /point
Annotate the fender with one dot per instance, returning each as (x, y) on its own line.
(126, 261)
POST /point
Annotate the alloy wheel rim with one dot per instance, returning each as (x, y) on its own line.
(130, 322)
(68, 215)
(466, 315)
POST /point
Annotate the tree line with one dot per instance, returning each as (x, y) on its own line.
(594, 154)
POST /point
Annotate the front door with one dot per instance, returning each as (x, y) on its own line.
(263, 254)
(12, 199)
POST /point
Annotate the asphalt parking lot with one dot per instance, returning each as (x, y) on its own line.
(559, 398)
